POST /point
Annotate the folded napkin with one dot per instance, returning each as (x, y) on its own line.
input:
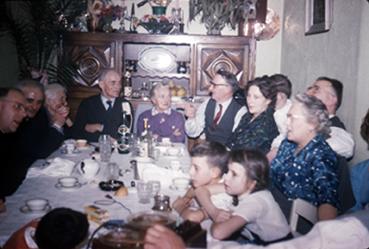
(57, 167)
(149, 171)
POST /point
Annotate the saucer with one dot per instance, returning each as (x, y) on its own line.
(61, 187)
(174, 188)
(25, 209)
(144, 159)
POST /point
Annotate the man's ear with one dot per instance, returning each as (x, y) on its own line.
(215, 172)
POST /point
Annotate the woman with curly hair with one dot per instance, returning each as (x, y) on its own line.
(305, 166)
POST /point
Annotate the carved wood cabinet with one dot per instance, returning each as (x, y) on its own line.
(198, 56)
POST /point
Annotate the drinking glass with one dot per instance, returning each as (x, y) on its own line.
(112, 171)
(155, 187)
(105, 148)
(144, 192)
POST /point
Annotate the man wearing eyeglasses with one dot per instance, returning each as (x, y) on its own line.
(330, 91)
(218, 116)
(12, 113)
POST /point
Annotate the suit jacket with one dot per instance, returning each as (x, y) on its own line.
(92, 111)
(37, 139)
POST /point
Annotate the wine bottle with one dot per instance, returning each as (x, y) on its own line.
(146, 146)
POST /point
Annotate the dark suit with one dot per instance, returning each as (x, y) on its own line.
(92, 111)
(36, 138)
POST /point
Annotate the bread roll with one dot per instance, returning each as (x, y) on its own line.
(121, 192)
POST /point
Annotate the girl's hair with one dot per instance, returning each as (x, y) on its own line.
(216, 154)
(364, 128)
(256, 166)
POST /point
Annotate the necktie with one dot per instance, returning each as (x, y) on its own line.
(108, 102)
(217, 116)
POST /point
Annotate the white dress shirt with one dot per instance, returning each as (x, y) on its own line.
(341, 141)
(280, 118)
(195, 126)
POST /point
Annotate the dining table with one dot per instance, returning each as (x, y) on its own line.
(42, 181)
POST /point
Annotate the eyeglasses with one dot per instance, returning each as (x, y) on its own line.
(212, 83)
(17, 106)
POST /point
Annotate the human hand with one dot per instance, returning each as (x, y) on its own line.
(222, 215)
(181, 203)
(190, 110)
(161, 237)
(59, 116)
(92, 128)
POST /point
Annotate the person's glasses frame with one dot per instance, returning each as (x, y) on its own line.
(17, 105)
(212, 83)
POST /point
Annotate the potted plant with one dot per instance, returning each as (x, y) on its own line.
(215, 14)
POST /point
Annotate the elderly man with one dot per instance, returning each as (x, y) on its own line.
(43, 131)
(103, 113)
(219, 115)
(329, 91)
(12, 112)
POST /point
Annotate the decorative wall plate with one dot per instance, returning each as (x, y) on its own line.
(157, 60)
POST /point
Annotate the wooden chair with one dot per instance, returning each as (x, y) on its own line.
(302, 208)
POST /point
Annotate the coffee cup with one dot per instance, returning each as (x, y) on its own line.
(37, 204)
(81, 143)
(181, 183)
(68, 181)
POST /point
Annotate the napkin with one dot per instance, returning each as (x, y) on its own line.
(57, 167)
(151, 172)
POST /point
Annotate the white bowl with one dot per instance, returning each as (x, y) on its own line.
(81, 143)
(68, 181)
(37, 204)
(181, 183)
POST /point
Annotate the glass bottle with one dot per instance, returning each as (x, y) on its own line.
(127, 84)
(146, 145)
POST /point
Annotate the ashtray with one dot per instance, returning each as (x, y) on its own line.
(111, 185)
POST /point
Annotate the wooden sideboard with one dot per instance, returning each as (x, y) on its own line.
(201, 55)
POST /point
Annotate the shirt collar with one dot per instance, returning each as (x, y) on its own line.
(154, 111)
(225, 104)
(104, 99)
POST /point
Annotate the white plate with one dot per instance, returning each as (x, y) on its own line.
(25, 209)
(61, 187)
(144, 159)
(157, 60)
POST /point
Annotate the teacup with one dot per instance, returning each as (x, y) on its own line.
(173, 151)
(70, 148)
(37, 204)
(181, 183)
(68, 181)
(175, 165)
(81, 143)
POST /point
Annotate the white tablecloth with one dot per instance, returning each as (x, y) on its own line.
(40, 185)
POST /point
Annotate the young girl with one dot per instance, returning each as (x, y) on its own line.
(256, 212)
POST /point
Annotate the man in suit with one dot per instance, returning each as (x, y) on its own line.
(330, 91)
(45, 128)
(12, 112)
(103, 113)
(218, 116)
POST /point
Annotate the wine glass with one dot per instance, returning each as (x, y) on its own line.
(176, 15)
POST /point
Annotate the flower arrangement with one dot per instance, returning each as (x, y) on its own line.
(156, 24)
(218, 13)
(103, 13)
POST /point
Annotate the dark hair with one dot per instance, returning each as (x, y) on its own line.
(256, 166)
(282, 84)
(337, 87)
(216, 153)
(4, 91)
(266, 88)
(364, 128)
(61, 228)
(230, 78)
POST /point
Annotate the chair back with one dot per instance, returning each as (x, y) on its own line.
(302, 208)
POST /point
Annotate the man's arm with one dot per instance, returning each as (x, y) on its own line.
(341, 142)
(195, 125)
(238, 117)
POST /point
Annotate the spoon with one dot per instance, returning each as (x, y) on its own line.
(119, 203)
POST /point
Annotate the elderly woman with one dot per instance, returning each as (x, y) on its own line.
(305, 166)
(162, 120)
(257, 128)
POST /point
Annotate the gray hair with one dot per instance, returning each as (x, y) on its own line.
(104, 73)
(315, 112)
(157, 86)
(52, 91)
(30, 83)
